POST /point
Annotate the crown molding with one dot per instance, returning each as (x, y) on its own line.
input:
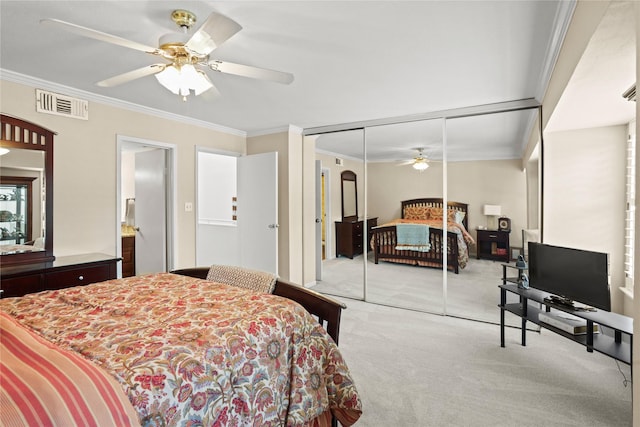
(26, 80)
(281, 129)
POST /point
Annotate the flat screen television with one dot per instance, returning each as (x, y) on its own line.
(570, 274)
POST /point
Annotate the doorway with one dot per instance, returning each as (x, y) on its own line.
(145, 169)
(237, 209)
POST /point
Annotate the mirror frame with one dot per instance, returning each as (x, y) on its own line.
(349, 176)
(20, 134)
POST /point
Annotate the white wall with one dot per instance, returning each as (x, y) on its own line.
(584, 195)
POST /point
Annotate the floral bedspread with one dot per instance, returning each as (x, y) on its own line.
(191, 352)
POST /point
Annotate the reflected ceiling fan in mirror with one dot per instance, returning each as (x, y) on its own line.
(420, 162)
(185, 54)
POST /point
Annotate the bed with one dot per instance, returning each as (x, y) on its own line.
(181, 349)
(426, 212)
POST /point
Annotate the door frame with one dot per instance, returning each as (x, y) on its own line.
(170, 187)
(325, 208)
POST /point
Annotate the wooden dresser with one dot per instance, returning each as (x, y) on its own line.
(349, 236)
(128, 256)
(63, 272)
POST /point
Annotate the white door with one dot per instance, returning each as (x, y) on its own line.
(318, 220)
(258, 211)
(150, 212)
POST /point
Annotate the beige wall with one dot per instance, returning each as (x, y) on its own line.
(495, 182)
(296, 211)
(584, 195)
(85, 214)
(335, 192)
(500, 182)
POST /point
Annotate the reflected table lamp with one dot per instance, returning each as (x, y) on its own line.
(492, 212)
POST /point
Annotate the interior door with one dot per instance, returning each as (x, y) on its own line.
(151, 211)
(318, 220)
(258, 211)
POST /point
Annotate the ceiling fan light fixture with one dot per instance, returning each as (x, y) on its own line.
(420, 164)
(183, 79)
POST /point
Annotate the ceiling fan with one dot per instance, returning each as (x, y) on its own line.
(420, 162)
(184, 54)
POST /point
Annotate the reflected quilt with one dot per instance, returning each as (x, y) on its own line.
(462, 235)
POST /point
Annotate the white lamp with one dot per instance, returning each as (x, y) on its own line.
(492, 212)
(420, 164)
(181, 79)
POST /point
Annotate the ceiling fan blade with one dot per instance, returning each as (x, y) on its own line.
(249, 71)
(131, 75)
(99, 35)
(212, 33)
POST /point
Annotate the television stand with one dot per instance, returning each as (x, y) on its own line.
(532, 302)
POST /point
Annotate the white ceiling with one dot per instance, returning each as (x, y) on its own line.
(352, 61)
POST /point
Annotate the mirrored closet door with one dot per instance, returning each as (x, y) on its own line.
(457, 177)
(404, 182)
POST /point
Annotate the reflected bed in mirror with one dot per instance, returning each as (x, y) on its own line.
(26, 192)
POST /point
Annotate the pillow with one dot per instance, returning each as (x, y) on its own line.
(254, 280)
(458, 217)
(416, 212)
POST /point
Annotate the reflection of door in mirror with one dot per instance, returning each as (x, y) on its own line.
(16, 206)
(349, 196)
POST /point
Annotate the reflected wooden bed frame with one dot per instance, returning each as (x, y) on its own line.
(325, 309)
(384, 239)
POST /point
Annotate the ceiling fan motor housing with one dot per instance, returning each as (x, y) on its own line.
(183, 18)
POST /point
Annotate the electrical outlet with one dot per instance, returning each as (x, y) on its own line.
(188, 207)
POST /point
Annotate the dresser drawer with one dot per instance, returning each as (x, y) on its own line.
(496, 236)
(19, 286)
(77, 277)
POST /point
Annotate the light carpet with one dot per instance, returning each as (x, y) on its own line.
(473, 293)
(419, 369)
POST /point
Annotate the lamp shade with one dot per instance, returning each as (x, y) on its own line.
(492, 210)
(181, 80)
(420, 164)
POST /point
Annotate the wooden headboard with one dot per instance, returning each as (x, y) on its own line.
(436, 202)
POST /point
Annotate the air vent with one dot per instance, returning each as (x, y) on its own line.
(339, 161)
(61, 105)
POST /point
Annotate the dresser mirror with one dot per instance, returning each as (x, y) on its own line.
(26, 192)
(349, 196)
